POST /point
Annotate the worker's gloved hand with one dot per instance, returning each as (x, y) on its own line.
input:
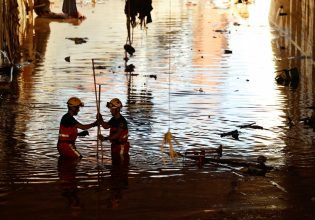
(102, 138)
(83, 133)
(99, 117)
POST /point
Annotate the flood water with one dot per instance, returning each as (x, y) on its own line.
(202, 68)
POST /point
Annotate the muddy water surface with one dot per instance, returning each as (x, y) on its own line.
(202, 68)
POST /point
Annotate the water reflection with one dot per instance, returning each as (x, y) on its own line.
(67, 169)
(118, 180)
(197, 91)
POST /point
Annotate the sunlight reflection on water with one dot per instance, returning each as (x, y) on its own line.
(198, 91)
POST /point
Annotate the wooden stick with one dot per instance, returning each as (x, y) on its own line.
(98, 127)
(97, 107)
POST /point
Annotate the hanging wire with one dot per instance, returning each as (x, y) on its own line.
(168, 136)
(169, 66)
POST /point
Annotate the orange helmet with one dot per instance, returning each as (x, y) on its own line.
(74, 102)
(114, 103)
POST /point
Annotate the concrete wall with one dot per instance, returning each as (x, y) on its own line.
(294, 22)
(298, 24)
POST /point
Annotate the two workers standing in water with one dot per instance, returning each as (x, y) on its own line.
(68, 131)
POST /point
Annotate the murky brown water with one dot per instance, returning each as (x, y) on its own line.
(183, 81)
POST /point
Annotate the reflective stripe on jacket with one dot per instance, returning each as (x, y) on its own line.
(67, 134)
(123, 137)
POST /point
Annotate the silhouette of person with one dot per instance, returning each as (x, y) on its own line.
(68, 182)
(119, 179)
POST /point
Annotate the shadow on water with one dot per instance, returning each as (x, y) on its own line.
(202, 69)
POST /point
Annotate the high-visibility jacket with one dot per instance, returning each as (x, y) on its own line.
(120, 144)
(123, 136)
(68, 134)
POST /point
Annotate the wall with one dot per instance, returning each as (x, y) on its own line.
(298, 24)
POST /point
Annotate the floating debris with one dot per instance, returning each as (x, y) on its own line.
(288, 77)
(234, 134)
(196, 153)
(129, 49)
(67, 59)
(151, 76)
(78, 40)
(227, 51)
(251, 125)
(130, 68)
(278, 186)
(167, 139)
(199, 90)
(221, 31)
(100, 67)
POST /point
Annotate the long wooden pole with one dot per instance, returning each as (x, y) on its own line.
(98, 127)
(97, 107)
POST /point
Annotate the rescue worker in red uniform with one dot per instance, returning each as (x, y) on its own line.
(118, 133)
(68, 131)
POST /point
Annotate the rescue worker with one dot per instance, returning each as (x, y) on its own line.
(118, 133)
(68, 131)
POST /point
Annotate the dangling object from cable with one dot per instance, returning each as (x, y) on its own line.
(168, 136)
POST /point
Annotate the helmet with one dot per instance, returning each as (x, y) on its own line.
(114, 103)
(74, 101)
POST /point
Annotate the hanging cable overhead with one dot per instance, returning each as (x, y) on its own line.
(168, 136)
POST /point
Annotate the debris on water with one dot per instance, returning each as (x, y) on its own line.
(151, 76)
(278, 186)
(78, 40)
(233, 133)
(100, 67)
(199, 90)
(306, 121)
(129, 49)
(221, 31)
(167, 140)
(253, 171)
(227, 51)
(130, 68)
(288, 77)
(67, 59)
(251, 125)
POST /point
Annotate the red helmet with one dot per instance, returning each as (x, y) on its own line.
(74, 102)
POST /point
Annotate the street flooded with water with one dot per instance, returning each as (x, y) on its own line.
(202, 68)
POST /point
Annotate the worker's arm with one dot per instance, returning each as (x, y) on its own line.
(100, 120)
(86, 126)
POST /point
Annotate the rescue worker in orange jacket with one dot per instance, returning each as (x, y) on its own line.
(68, 131)
(118, 133)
